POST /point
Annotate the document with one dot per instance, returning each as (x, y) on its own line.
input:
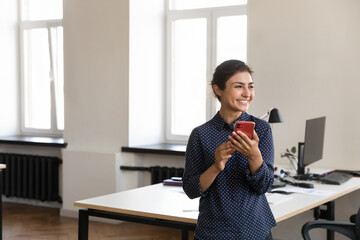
(312, 191)
(275, 198)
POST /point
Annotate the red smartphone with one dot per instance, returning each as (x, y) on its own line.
(245, 127)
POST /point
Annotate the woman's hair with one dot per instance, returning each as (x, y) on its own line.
(225, 71)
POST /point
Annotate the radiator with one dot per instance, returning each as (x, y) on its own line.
(31, 176)
(158, 173)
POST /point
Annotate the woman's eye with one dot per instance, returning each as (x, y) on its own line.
(238, 86)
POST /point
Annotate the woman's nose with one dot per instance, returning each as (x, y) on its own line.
(245, 92)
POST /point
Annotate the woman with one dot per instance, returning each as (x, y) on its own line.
(229, 171)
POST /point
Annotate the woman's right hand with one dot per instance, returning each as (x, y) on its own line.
(222, 155)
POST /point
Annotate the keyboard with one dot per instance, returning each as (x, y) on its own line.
(335, 178)
(355, 173)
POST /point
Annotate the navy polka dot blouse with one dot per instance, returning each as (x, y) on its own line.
(234, 206)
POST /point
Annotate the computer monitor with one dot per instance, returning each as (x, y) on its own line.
(311, 150)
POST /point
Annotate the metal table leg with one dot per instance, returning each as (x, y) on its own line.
(184, 234)
(83, 225)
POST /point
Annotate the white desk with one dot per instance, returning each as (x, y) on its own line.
(302, 202)
(154, 201)
(154, 205)
(169, 206)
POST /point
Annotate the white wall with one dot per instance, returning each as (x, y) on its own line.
(103, 110)
(96, 56)
(306, 55)
(146, 74)
(9, 68)
(96, 42)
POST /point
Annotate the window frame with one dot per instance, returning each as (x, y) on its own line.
(211, 14)
(24, 26)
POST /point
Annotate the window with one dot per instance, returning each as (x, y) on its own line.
(200, 35)
(42, 80)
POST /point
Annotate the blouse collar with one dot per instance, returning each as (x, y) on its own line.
(220, 123)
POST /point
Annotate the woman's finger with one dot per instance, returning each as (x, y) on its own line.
(224, 151)
(256, 137)
(235, 140)
(244, 137)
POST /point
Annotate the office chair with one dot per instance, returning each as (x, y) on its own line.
(351, 230)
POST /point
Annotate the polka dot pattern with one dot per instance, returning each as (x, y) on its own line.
(234, 206)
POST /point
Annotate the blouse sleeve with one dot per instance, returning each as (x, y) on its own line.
(194, 166)
(262, 181)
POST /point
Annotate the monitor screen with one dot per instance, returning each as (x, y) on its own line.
(312, 149)
(314, 140)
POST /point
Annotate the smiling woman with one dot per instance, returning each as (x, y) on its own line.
(226, 168)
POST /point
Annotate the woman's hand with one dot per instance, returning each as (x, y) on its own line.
(241, 143)
(222, 154)
(250, 148)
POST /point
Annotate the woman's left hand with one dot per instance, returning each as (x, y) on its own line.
(248, 147)
(243, 144)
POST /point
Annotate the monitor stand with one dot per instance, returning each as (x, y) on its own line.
(303, 176)
(307, 176)
(300, 174)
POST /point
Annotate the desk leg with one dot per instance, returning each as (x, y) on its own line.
(330, 207)
(184, 234)
(83, 230)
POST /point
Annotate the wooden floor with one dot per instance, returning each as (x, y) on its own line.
(28, 222)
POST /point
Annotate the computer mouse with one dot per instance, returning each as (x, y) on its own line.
(305, 185)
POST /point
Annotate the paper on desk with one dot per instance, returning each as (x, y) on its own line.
(312, 191)
(275, 198)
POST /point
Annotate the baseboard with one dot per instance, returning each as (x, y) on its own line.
(69, 213)
(32, 202)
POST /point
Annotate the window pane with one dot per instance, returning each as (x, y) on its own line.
(37, 81)
(192, 4)
(58, 59)
(42, 9)
(188, 75)
(231, 38)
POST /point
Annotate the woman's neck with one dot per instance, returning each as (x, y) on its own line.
(229, 116)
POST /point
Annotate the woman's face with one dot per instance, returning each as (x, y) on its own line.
(238, 93)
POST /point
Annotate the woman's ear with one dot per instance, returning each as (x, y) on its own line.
(217, 90)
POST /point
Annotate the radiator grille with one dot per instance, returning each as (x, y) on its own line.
(31, 176)
(158, 174)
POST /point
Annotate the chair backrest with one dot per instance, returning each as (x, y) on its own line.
(357, 224)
